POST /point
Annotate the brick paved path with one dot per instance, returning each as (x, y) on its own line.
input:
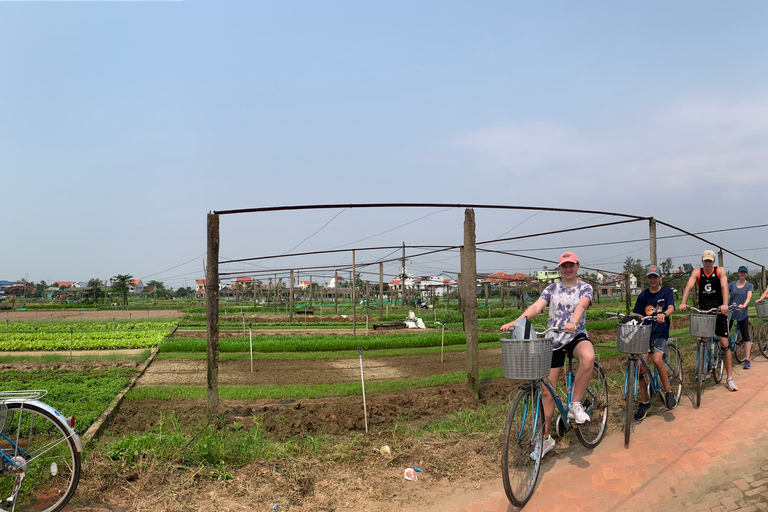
(714, 458)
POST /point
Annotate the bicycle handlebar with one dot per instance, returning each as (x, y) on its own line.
(707, 312)
(611, 314)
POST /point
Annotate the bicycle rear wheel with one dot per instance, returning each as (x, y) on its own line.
(595, 403)
(630, 387)
(523, 431)
(673, 361)
(762, 338)
(701, 368)
(46, 463)
(739, 350)
(719, 360)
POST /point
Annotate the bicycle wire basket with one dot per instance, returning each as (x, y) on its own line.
(526, 359)
(633, 338)
(702, 326)
(762, 308)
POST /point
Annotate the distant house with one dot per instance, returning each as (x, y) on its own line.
(411, 282)
(548, 276)
(437, 284)
(59, 284)
(200, 287)
(505, 278)
(135, 286)
(303, 285)
(337, 280)
(616, 286)
(243, 282)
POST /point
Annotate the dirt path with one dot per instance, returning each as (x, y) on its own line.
(75, 315)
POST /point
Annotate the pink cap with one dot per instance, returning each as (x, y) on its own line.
(568, 257)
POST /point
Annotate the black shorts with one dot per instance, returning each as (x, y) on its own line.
(721, 326)
(743, 328)
(558, 356)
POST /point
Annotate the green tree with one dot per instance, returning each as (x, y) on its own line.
(120, 286)
(667, 266)
(40, 289)
(159, 285)
(95, 284)
(185, 292)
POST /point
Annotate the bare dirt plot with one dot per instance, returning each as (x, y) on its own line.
(173, 372)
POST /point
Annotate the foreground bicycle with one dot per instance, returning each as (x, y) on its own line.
(709, 354)
(39, 451)
(737, 343)
(530, 360)
(635, 341)
(762, 330)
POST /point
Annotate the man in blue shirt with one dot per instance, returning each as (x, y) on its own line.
(659, 301)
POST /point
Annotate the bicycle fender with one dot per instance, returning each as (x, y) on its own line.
(56, 414)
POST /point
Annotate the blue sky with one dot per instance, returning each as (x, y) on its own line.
(123, 123)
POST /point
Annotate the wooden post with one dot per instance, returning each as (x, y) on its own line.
(502, 287)
(290, 299)
(652, 240)
(354, 296)
(212, 313)
(277, 302)
(486, 295)
(310, 291)
(381, 291)
(720, 258)
(336, 292)
(628, 292)
(763, 275)
(469, 283)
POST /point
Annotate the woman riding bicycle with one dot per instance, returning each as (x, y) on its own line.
(741, 295)
(568, 301)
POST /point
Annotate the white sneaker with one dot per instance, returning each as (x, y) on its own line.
(731, 385)
(549, 443)
(576, 414)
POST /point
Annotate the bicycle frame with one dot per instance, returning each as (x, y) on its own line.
(711, 358)
(561, 408)
(653, 379)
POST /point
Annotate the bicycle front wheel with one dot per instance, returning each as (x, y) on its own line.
(719, 363)
(45, 462)
(524, 430)
(762, 338)
(595, 403)
(701, 368)
(630, 386)
(673, 361)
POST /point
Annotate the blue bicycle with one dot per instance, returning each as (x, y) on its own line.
(529, 360)
(709, 354)
(39, 453)
(635, 341)
(738, 346)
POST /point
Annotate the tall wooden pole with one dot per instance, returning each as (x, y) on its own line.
(720, 257)
(212, 313)
(652, 240)
(628, 291)
(381, 291)
(354, 296)
(290, 299)
(469, 283)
